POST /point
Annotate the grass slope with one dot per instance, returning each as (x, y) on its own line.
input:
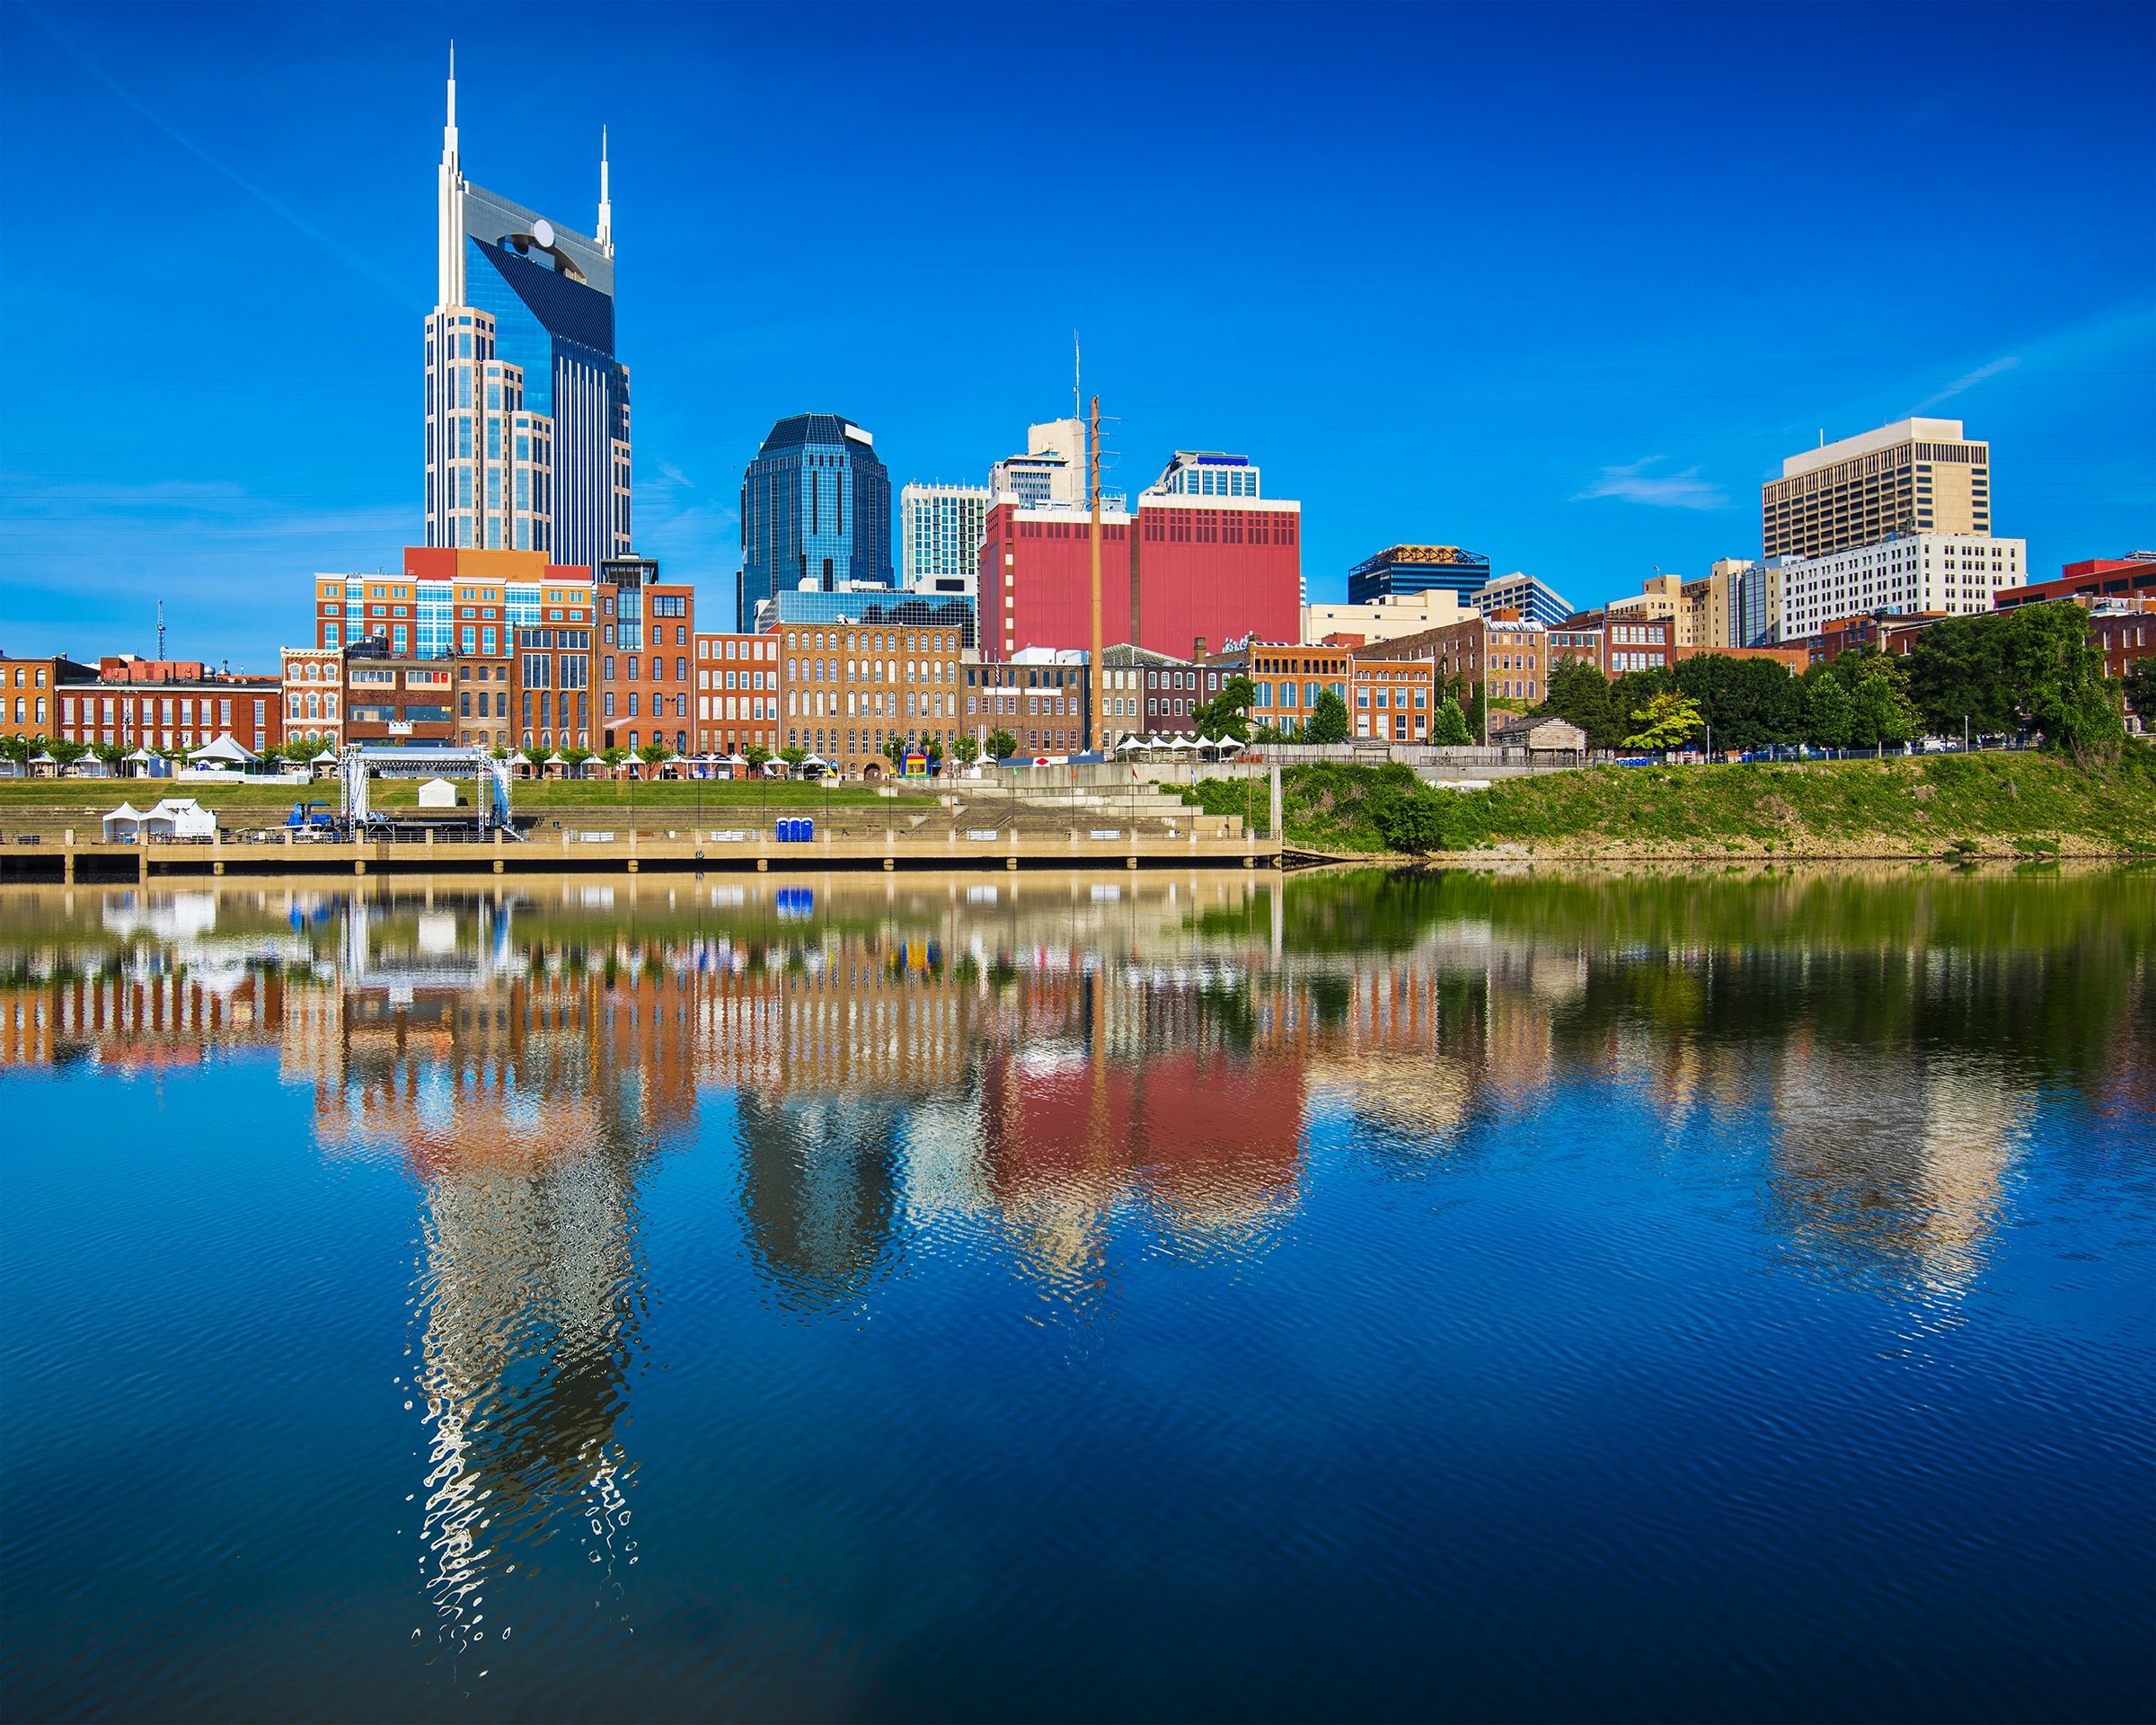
(1913, 806)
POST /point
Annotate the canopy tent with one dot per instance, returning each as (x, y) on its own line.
(174, 817)
(44, 764)
(1130, 744)
(556, 759)
(1180, 741)
(736, 760)
(226, 751)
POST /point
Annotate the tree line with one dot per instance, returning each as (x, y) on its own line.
(2028, 671)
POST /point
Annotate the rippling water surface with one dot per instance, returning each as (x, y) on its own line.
(1399, 1297)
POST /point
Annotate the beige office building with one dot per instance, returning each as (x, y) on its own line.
(1659, 596)
(1391, 617)
(1913, 476)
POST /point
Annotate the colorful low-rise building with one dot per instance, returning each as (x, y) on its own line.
(737, 693)
(28, 694)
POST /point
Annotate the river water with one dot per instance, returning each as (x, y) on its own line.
(1450, 1296)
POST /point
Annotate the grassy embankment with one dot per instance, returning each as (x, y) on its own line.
(2017, 804)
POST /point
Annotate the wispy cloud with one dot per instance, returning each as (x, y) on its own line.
(1633, 483)
(1969, 380)
(353, 259)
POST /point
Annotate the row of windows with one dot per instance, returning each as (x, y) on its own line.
(880, 640)
(762, 648)
(1287, 693)
(154, 709)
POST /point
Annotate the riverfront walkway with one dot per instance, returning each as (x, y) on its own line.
(1203, 843)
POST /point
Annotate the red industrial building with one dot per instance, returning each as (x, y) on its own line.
(1204, 560)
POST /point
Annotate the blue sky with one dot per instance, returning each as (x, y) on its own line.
(1561, 285)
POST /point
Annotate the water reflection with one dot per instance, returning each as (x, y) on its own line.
(1086, 1071)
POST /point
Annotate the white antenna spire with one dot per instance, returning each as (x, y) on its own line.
(1077, 394)
(449, 207)
(605, 230)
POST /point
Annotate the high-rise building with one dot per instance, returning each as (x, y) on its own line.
(1416, 569)
(1953, 573)
(816, 512)
(1913, 476)
(527, 408)
(1051, 473)
(1659, 596)
(1524, 594)
(1754, 602)
(1207, 472)
(940, 532)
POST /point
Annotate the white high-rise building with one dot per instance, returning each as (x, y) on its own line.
(527, 408)
(940, 532)
(1953, 573)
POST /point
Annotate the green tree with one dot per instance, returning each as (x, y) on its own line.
(1827, 714)
(1327, 719)
(1747, 703)
(1880, 713)
(652, 754)
(894, 749)
(1227, 713)
(68, 754)
(2030, 667)
(2140, 682)
(793, 755)
(1580, 694)
(575, 759)
(1666, 722)
(1002, 745)
(613, 755)
(967, 749)
(1448, 725)
(755, 754)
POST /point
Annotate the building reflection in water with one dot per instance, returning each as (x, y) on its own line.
(526, 1104)
(819, 1180)
(1088, 1069)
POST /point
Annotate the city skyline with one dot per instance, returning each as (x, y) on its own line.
(1587, 427)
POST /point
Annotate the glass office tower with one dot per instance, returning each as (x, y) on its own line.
(527, 408)
(816, 512)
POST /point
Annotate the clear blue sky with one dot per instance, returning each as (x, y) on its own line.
(1560, 285)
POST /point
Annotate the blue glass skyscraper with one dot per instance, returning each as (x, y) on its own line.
(816, 511)
(1400, 570)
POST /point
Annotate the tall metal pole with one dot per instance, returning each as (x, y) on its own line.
(1094, 707)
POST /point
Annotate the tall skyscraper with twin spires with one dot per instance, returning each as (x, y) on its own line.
(527, 408)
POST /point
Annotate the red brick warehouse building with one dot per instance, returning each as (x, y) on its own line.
(1203, 560)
